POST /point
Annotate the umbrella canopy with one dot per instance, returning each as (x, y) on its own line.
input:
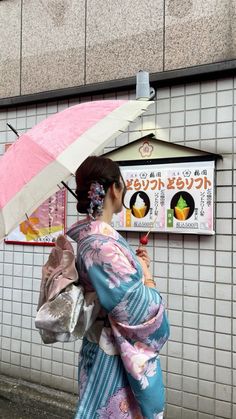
(34, 166)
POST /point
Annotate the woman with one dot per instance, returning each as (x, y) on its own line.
(119, 367)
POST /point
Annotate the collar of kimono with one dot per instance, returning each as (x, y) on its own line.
(87, 227)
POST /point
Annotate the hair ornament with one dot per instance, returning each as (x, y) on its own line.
(96, 195)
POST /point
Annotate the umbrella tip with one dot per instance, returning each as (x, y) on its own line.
(13, 129)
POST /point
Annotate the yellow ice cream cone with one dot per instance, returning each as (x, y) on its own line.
(139, 212)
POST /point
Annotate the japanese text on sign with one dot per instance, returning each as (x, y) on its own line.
(179, 197)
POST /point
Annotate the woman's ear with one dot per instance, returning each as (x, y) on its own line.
(114, 191)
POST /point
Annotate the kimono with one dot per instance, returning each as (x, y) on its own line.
(119, 367)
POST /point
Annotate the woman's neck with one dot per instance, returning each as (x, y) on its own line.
(106, 216)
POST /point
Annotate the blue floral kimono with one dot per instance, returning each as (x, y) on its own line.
(119, 367)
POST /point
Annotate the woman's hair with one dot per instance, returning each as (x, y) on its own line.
(95, 169)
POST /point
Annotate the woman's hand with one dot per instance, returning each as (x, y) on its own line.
(141, 252)
(144, 261)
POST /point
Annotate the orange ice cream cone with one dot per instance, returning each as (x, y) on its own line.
(139, 212)
(181, 209)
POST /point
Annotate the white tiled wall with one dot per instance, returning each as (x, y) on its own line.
(196, 274)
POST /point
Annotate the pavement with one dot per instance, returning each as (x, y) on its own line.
(21, 399)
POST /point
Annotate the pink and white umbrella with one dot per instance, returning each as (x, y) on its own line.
(33, 167)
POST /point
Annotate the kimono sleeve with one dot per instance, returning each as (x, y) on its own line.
(111, 269)
(116, 275)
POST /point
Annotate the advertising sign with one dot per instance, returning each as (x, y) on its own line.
(44, 225)
(176, 197)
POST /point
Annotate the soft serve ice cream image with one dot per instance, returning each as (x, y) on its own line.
(139, 208)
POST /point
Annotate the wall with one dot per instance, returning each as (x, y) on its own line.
(53, 44)
(196, 274)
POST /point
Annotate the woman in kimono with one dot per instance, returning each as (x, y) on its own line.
(119, 367)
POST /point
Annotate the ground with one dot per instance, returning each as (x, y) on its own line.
(20, 399)
(12, 410)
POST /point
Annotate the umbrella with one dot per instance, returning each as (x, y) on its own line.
(34, 166)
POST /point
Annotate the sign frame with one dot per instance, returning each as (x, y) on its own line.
(147, 163)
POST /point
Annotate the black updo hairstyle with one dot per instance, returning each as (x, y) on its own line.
(95, 169)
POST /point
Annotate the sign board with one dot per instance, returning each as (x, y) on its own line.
(44, 225)
(176, 197)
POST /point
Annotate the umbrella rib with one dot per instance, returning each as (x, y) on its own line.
(69, 189)
(13, 129)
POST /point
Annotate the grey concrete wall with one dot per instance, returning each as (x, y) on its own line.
(53, 44)
(195, 274)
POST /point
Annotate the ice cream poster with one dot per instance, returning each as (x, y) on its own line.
(44, 225)
(175, 197)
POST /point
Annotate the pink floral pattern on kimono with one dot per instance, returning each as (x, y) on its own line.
(112, 256)
(122, 405)
(135, 358)
(140, 331)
